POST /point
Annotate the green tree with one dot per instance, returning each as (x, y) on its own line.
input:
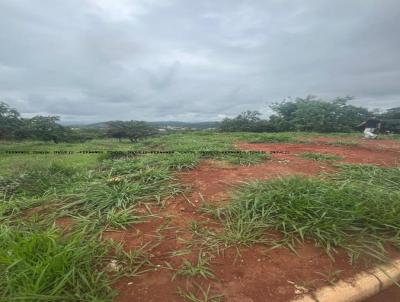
(133, 130)
(246, 121)
(391, 120)
(10, 121)
(312, 114)
(46, 128)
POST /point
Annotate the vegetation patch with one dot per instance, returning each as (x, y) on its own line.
(198, 269)
(343, 143)
(44, 265)
(319, 156)
(360, 216)
(273, 138)
(197, 293)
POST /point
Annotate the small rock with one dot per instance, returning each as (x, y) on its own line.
(300, 289)
(113, 266)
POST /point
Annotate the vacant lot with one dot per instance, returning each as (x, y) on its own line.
(196, 224)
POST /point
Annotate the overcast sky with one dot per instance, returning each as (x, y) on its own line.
(94, 60)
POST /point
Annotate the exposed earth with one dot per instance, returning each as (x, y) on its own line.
(245, 274)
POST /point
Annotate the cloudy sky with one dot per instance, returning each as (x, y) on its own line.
(93, 60)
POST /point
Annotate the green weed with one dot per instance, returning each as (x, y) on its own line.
(120, 218)
(200, 268)
(319, 156)
(44, 265)
(199, 294)
(337, 212)
(343, 143)
(273, 138)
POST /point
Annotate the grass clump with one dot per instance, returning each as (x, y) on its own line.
(177, 161)
(120, 184)
(36, 181)
(120, 192)
(360, 216)
(198, 293)
(343, 143)
(200, 268)
(243, 158)
(319, 156)
(120, 218)
(273, 138)
(43, 265)
(32, 187)
(130, 263)
(369, 177)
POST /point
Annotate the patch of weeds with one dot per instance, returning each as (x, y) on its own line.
(369, 176)
(319, 156)
(130, 263)
(44, 265)
(343, 143)
(178, 253)
(200, 268)
(177, 161)
(120, 191)
(331, 276)
(120, 218)
(11, 208)
(203, 237)
(358, 216)
(180, 161)
(210, 209)
(244, 230)
(243, 158)
(234, 232)
(33, 187)
(199, 294)
(273, 138)
(36, 181)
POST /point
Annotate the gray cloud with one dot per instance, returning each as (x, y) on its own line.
(194, 60)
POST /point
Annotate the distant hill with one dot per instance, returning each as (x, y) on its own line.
(161, 124)
(198, 125)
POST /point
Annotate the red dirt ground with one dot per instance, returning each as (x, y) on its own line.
(378, 144)
(255, 274)
(368, 154)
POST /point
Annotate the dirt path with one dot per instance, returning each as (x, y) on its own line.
(251, 274)
(369, 154)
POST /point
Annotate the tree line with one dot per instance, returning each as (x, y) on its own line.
(47, 128)
(300, 114)
(312, 114)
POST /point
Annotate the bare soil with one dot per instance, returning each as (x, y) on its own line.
(366, 153)
(392, 294)
(245, 274)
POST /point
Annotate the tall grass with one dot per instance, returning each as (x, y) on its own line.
(273, 138)
(43, 265)
(37, 180)
(319, 156)
(357, 210)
